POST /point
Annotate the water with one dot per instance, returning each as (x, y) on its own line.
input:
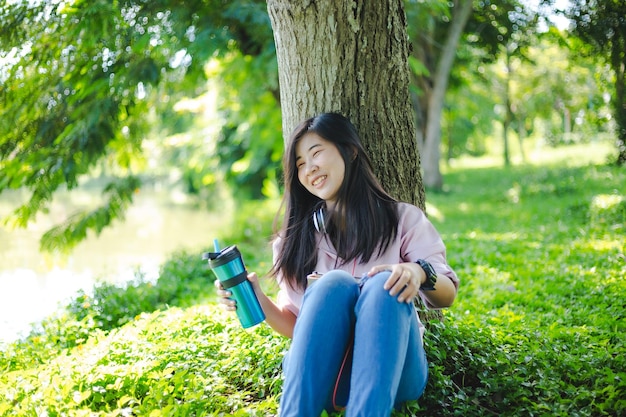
(33, 284)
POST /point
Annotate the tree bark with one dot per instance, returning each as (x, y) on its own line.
(618, 62)
(506, 122)
(352, 57)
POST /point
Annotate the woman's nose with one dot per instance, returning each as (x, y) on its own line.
(311, 168)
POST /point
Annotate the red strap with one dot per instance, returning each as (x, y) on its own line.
(343, 364)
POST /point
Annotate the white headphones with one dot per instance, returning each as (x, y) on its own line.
(318, 219)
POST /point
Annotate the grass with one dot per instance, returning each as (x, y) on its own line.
(537, 329)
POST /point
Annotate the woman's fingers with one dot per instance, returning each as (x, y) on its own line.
(223, 297)
(401, 281)
(227, 303)
(409, 291)
(397, 279)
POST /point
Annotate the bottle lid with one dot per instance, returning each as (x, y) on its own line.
(222, 257)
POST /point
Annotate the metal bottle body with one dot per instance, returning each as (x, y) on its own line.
(229, 268)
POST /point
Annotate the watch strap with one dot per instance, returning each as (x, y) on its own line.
(431, 275)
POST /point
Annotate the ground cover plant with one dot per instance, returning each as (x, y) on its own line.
(537, 329)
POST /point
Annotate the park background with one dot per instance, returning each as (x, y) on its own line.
(532, 209)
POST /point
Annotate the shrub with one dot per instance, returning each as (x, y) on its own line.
(177, 362)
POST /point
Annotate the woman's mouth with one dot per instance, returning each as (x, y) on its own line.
(317, 181)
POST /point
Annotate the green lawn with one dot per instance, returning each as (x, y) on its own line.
(537, 329)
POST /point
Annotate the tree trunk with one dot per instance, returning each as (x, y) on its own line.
(521, 135)
(431, 151)
(506, 122)
(352, 57)
(618, 62)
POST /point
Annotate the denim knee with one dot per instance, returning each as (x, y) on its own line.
(372, 289)
(335, 285)
(382, 276)
(375, 284)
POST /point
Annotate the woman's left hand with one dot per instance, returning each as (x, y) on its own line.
(405, 280)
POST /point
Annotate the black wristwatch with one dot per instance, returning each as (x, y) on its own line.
(431, 275)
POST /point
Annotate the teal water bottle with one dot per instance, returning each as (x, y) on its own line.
(228, 266)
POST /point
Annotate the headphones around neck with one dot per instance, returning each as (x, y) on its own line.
(318, 219)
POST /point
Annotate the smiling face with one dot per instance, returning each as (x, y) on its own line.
(321, 169)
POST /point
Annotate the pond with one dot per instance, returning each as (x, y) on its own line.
(33, 284)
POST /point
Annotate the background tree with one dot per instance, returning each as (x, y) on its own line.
(81, 80)
(503, 30)
(444, 31)
(559, 93)
(555, 93)
(435, 37)
(602, 25)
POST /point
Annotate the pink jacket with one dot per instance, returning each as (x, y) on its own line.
(417, 239)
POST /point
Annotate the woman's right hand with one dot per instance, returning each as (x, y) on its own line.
(278, 317)
(223, 297)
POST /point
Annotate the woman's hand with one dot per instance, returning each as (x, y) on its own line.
(224, 295)
(405, 280)
(224, 299)
(279, 318)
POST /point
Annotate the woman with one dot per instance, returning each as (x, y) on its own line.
(349, 260)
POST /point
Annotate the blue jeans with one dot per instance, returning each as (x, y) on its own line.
(361, 334)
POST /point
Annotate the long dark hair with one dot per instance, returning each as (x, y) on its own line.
(364, 220)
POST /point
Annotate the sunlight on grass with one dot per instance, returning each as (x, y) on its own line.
(608, 208)
(434, 213)
(604, 201)
(602, 245)
(495, 237)
(506, 317)
(571, 155)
